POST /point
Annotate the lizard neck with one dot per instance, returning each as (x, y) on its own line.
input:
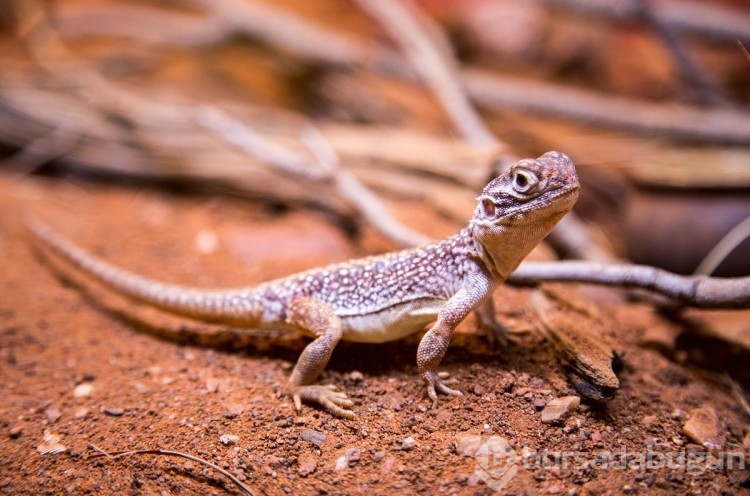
(503, 247)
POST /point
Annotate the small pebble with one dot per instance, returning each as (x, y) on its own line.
(234, 410)
(228, 439)
(212, 384)
(15, 431)
(307, 464)
(114, 411)
(313, 437)
(83, 390)
(559, 408)
(408, 443)
(703, 427)
(351, 456)
(356, 376)
(341, 463)
(53, 415)
(51, 444)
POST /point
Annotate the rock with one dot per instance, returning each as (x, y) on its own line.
(408, 443)
(51, 444)
(356, 376)
(53, 415)
(83, 390)
(15, 431)
(558, 409)
(227, 439)
(212, 384)
(703, 427)
(114, 411)
(387, 465)
(234, 410)
(351, 456)
(307, 464)
(313, 437)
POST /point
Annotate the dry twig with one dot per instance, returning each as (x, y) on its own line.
(328, 171)
(707, 90)
(707, 19)
(429, 53)
(696, 291)
(685, 122)
(180, 454)
(724, 248)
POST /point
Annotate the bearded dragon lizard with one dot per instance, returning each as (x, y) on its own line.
(379, 298)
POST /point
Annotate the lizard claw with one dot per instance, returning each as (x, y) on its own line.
(332, 400)
(437, 382)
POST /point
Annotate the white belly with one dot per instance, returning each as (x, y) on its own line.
(392, 323)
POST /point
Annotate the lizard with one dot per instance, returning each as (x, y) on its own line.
(375, 299)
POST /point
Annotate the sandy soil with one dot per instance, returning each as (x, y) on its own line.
(82, 368)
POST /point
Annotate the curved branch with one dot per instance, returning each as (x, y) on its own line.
(697, 291)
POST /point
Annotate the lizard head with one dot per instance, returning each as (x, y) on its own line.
(519, 208)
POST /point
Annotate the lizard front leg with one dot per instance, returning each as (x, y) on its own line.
(435, 342)
(318, 318)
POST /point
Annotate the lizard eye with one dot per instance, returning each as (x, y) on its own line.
(489, 207)
(524, 181)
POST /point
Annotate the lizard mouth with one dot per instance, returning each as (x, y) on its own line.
(557, 204)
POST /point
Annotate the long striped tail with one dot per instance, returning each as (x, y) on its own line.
(239, 306)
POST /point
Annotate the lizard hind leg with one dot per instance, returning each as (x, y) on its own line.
(314, 316)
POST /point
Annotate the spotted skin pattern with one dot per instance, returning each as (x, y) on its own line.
(379, 298)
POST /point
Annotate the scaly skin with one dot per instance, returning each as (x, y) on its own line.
(379, 298)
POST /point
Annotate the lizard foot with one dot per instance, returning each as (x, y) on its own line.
(498, 335)
(332, 400)
(438, 382)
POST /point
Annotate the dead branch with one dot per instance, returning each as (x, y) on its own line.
(115, 100)
(724, 247)
(328, 170)
(697, 291)
(429, 52)
(700, 18)
(684, 122)
(707, 90)
(179, 454)
(494, 90)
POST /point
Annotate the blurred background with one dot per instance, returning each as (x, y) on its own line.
(422, 101)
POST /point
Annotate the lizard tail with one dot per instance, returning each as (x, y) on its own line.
(234, 306)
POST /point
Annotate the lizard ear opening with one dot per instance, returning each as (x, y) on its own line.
(488, 207)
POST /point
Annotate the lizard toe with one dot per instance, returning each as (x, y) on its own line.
(436, 382)
(328, 397)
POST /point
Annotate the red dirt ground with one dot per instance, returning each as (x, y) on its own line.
(161, 382)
